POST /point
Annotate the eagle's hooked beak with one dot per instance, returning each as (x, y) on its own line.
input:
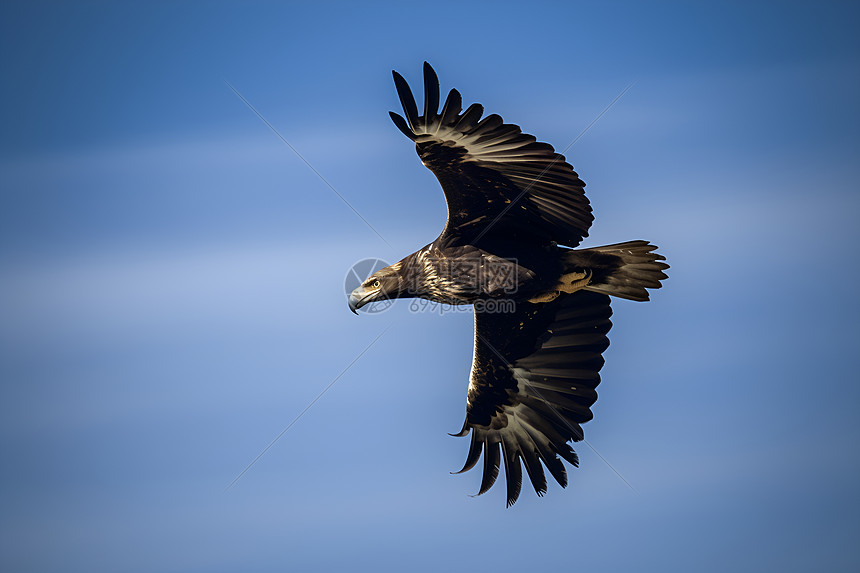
(360, 297)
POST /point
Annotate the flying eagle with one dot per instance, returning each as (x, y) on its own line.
(516, 209)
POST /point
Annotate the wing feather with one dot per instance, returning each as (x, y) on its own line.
(530, 392)
(487, 167)
(513, 469)
(542, 452)
(402, 125)
(407, 100)
(469, 119)
(475, 448)
(451, 111)
(491, 466)
(431, 96)
(531, 453)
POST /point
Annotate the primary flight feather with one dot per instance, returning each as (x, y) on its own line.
(516, 209)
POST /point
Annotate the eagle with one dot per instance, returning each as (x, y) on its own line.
(516, 210)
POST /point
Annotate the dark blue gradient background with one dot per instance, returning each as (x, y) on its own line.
(171, 287)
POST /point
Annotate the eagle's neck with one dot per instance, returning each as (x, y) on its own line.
(432, 273)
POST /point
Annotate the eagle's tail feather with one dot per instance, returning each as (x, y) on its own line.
(624, 270)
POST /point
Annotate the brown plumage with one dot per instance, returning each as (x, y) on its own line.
(542, 309)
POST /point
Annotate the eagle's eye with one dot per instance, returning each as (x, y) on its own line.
(376, 284)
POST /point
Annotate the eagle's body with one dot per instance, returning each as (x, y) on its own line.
(514, 206)
(436, 272)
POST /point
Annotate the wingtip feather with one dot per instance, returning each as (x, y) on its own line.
(492, 460)
(402, 125)
(513, 470)
(407, 99)
(431, 95)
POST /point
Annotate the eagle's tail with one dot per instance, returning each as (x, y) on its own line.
(624, 270)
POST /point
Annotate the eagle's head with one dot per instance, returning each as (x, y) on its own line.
(384, 284)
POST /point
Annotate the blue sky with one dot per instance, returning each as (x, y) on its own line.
(171, 287)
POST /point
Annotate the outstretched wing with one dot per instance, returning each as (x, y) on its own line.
(532, 384)
(497, 180)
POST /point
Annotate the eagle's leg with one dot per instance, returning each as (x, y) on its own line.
(547, 296)
(568, 283)
(572, 282)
